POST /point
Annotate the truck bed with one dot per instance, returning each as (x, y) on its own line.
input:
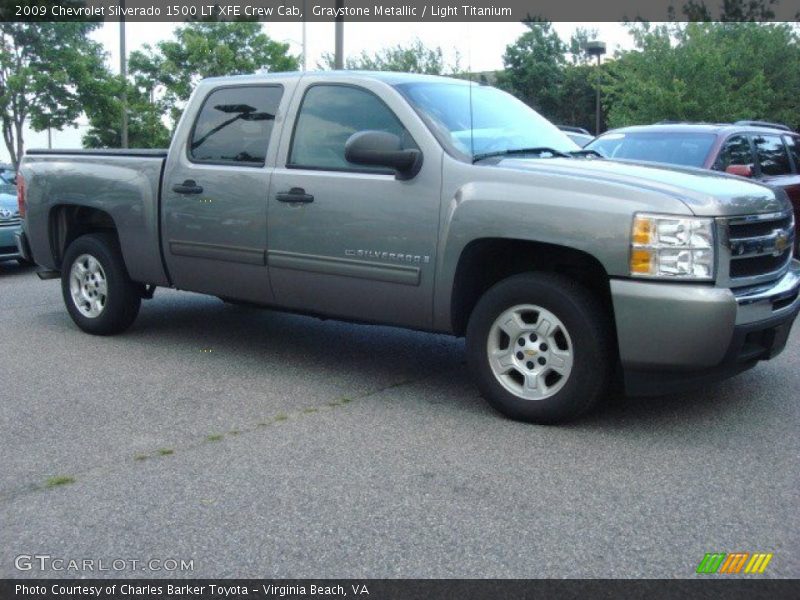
(125, 184)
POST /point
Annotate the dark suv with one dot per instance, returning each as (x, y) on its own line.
(767, 152)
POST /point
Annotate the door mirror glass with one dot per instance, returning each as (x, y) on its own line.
(383, 149)
(740, 170)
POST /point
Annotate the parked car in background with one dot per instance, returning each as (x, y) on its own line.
(9, 216)
(768, 152)
(577, 134)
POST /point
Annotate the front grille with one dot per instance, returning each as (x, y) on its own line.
(8, 249)
(10, 222)
(759, 265)
(759, 247)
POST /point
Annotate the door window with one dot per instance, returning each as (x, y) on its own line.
(234, 125)
(793, 143)
(736, 151)
(772, 155)
(329, 115)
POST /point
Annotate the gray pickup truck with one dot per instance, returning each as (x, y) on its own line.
(432, 204)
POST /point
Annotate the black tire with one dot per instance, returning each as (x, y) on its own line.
(123, 297)
(589, 327)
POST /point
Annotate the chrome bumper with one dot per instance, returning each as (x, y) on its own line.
(764, 302)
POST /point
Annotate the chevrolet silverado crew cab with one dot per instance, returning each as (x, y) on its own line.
(433, 204)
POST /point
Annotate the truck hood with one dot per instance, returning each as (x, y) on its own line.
(705, 193)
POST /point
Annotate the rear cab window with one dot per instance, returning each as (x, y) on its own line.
(234, 125)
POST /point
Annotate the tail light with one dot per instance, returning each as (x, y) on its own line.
(21, 195)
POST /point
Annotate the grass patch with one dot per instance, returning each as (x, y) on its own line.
(263, 423)
(59, 480)
(334, 403)
(234, 432)
(345, 400)
(140, 456)
(281, 417)
(214, 437)
(310, 410)
(165, 451)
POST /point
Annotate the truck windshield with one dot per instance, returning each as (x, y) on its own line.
(496, 123)
(685, 149)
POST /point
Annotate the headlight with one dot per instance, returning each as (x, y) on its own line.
(672, 247)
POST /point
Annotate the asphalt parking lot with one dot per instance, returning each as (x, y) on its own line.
(260, 444)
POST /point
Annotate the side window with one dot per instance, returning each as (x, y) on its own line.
(234, 125)
(772, 155)
(793, 143)
(329, 115)
(736, 151)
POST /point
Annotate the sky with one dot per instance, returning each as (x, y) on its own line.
(481, 47)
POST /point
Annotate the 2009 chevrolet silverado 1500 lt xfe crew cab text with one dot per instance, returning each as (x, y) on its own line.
(433, 204)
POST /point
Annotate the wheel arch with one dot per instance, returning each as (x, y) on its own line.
(507, 257)
(67, 222)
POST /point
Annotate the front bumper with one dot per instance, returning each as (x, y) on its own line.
(675, 336)
(8, 242)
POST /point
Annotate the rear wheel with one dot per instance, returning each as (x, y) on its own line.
(98, 294)
(541, 348)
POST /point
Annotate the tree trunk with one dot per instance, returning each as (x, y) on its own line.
(20, 142)
(8, 138)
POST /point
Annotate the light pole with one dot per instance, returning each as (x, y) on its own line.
(338, 55)
(305, 53)
(596, 48)
(123, 72)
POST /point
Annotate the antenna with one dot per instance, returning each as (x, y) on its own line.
(469, 78)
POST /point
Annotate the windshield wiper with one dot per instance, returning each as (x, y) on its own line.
(586, 153)
(536, 150)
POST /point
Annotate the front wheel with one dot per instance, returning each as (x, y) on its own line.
(98, 294)
(541, 347)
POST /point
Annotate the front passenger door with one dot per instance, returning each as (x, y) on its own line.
(348, 240)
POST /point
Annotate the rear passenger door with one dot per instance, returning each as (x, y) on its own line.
(214, 193)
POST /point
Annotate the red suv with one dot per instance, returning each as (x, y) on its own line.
(768, 152)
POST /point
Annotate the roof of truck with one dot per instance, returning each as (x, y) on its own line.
(390, 77)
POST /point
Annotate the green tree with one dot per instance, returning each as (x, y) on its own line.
(715, 72)
(413, 58)
(534, 68)
(206, 49)
(146, 128)
(47, 73)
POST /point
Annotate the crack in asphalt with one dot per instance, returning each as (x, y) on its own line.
(156, 453)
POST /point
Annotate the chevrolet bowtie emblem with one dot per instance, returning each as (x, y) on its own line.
(530, 352)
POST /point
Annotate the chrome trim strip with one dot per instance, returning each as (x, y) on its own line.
(237, 254)
(762, 245)
(344, 267)
(786, 287)
(743, 219)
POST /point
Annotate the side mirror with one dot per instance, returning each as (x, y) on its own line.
(740, 170)
(382, 149)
